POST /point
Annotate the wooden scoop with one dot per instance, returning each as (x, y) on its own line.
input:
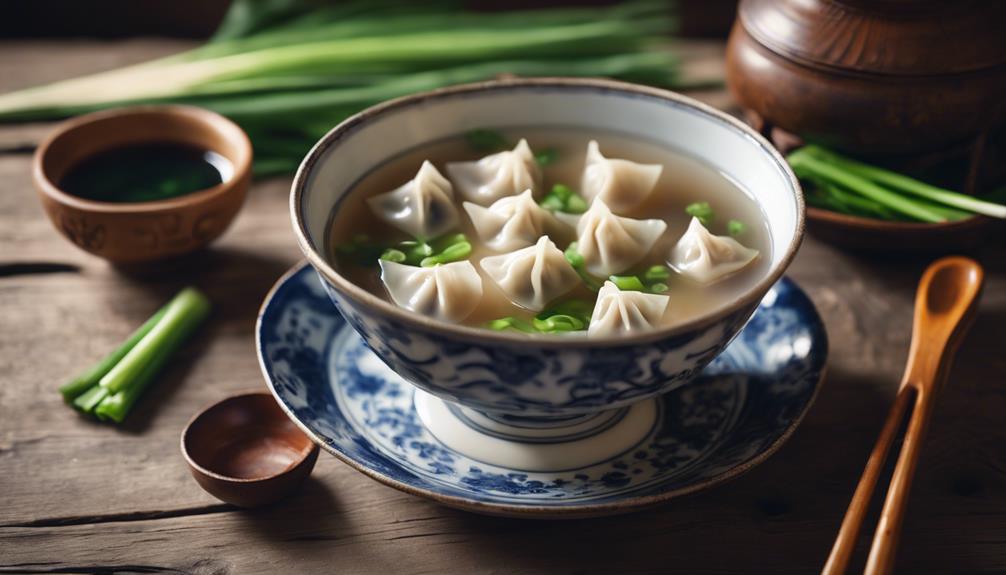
(944, 305)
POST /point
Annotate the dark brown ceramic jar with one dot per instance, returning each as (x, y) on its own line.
(872, 77)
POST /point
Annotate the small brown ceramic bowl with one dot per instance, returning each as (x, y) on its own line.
(244, 450)
(142, 231)
(880, 236)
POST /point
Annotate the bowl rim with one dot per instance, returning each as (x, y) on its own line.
(195, 466)
(216, 122)
(376, 304)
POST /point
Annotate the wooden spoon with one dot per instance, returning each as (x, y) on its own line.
(944, 305)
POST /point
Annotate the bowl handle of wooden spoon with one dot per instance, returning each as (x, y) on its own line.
(945, 303)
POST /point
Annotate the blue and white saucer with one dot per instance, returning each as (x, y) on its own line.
(738, 412)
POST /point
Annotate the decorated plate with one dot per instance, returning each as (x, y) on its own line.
(739, 411)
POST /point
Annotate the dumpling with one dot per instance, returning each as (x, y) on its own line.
(513, 222)
(611, 244)
(497, 176)
(705, 258)
(625, 312)
(449, 292)
(533, 276)
(423, 207)
(622, 184)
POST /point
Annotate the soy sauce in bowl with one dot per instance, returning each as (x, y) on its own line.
(146, 173)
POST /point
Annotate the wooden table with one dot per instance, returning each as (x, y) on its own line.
(76, 496)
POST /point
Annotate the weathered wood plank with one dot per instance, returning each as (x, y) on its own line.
(78, 496)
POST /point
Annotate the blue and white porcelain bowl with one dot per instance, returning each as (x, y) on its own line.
(502, 375)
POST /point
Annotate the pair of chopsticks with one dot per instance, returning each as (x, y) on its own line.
(944, 307)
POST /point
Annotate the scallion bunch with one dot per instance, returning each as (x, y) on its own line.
(288, 71)
(841, 184)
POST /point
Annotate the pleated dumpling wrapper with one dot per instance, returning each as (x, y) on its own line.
(622, 184)
(423, 207)
(705, 258)
(611, 244)
(531, 277)
(513, 222)
(619, 312)
(497, 176)
(449, 292)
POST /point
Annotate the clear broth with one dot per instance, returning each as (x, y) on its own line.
(684, 180)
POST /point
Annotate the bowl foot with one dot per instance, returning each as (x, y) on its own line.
(538, 444)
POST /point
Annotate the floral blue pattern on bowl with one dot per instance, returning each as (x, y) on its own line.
(736, 412)
(530, 380)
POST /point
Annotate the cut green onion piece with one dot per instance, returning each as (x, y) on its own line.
(548, 157)
(575, 205)
(453, 253)
(735, 227)
(627, 283)
(558, 323)
(442, 243)
(658, 287)
(657, 272)
(91, 377)
(90, 399)
(562, 198)
(393, 255)
(505, 323)
(552, 203)
(701, 210)
(562, 191)
(187, 308)
(484, 140)
(906, 184)
(573, 255)
(117, 406)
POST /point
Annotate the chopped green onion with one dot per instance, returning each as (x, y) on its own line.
(657, 287)
(552, 203)
(558, 323)
(90, 399)
(562, 191)
(548, 157)
(393, 255)
(627, 283)
(453, 253)
(575, 204)
(735, 227)
(562, 198)
(573, 255)
(415, 251)
(360, 250)
(485, 140)
(574, 307)
(657, 272)
(442, 243)
(701, 210)
(505, 323)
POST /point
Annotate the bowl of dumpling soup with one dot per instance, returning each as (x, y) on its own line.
(546, 247)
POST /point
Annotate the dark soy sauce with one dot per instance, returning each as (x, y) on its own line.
(146, 173)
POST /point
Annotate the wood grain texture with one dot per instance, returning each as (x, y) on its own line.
(81, 497)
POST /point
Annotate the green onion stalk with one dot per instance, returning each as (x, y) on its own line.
(287, 72)
(111, 388)
(845, 185)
